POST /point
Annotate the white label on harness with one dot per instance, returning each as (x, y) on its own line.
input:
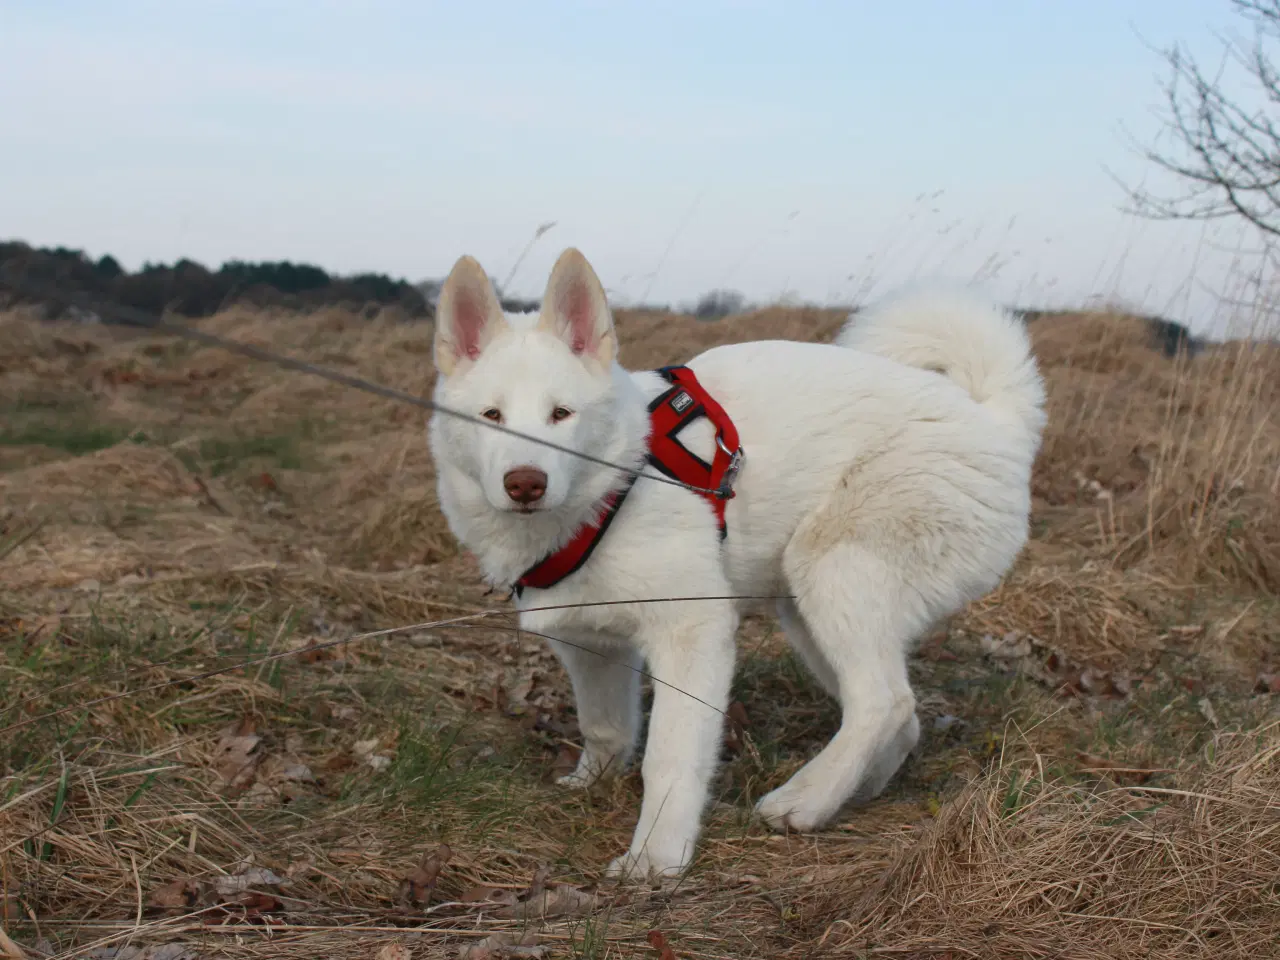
(680, 402)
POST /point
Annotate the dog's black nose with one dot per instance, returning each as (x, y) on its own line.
(525, 485)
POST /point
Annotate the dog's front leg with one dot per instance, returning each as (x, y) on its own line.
(606, 687)
(691, 662)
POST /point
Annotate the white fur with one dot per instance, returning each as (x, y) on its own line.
(880, 495)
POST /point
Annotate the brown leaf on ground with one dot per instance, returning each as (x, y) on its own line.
(500, 945)
(484, 894)
(300, 868)
(538, 885)
(312, 653)
(394, 951)
(1117, 771)
(658, 940)
(1011, 646)
(559, 901)
(236, 757)
(180, 895)
(36, 628)
(1072, 679)
(245, 880)
(736, 727)
(416, 887)
(164, 951)
(374, 751)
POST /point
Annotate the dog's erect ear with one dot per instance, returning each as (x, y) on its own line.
(575, 309)
(467, 316)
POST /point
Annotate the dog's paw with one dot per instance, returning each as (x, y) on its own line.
(590, 771)
(786, 810)
(577, 780)
(645, 868)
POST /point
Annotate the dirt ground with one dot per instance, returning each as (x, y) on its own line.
(207, 749)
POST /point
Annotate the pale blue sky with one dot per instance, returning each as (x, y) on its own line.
(821, 149)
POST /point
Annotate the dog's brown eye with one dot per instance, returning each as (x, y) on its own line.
(560, 413)
(493, 413)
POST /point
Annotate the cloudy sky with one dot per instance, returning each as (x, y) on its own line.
(828, 151)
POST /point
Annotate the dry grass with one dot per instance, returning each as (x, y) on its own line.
(1020, 865)
(168, 510)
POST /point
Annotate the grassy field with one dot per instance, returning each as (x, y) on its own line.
(1099, 773)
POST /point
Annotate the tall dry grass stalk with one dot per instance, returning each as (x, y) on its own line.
(1179, 457)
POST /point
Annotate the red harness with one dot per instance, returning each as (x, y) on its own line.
(677, 407)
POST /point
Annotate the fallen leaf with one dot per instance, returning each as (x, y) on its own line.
(46, 628)
(300, 868)
(560, 901)
(1009, 647)
(178, 895)
(539, 883)
(394, 951)
(521, 692)
(736, 730)
(934, 648)
(1092, 681)
(657, 939)
(236, 758)
(499, 945)
(165, 951)
(483, 894)
(251, 877)
(313, 653)
(1119, 771)
(1207, 711)
(1193, 684)
(1088, 681)
(364, 751)
(416, 887)
(296, 773)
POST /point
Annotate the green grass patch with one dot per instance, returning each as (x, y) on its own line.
(73, 436)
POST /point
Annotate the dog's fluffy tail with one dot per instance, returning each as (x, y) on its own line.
(978, 344)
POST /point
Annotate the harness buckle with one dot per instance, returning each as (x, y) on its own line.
(725, 490)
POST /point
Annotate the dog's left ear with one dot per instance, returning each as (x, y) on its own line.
(575, 309)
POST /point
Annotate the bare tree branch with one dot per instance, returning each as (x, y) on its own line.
(1225, 151)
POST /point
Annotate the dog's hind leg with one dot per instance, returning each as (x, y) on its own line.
(606, 686)
(806, 647)
(861, 615)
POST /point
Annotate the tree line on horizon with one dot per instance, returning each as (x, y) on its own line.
(192, 289)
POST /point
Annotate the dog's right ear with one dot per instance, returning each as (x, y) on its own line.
(468, 315)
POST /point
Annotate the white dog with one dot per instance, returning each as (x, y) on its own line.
(885, 484)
